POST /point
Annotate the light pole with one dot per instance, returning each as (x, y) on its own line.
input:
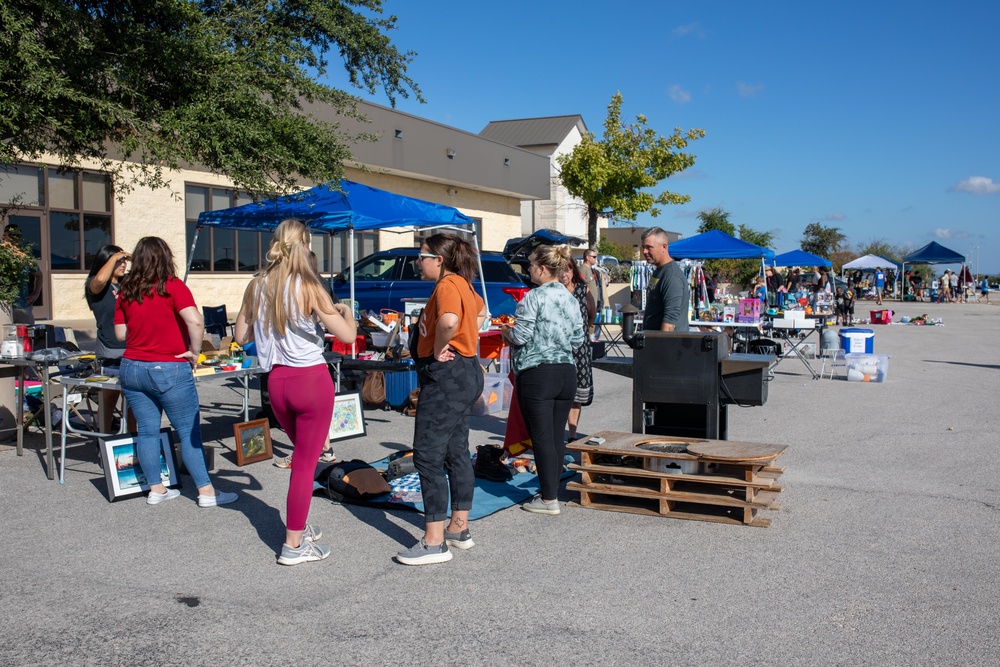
(975, 249)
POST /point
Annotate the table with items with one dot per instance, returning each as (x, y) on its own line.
(796, 332)
(73, 385)
(42, 369)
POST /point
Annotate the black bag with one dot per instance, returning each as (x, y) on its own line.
(400, 464)
(353, 480)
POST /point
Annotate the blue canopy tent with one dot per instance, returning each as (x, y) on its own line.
(800, 258)
(716, 244)
(934, 253)
(325, 209)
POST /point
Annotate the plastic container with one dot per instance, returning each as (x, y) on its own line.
(867, 367)
(398, 386)
(881, 316)
(497, 393)
(345, 348)
(857, 341)
(380, 338)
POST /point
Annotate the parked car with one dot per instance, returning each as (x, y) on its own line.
(517, 251)
(387, 278)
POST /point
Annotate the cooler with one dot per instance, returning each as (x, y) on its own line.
(398, 386)
(857, 341)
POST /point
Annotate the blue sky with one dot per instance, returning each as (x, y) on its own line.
(880, 118)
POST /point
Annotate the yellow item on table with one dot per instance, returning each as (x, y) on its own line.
(204, 370)
(201, 359)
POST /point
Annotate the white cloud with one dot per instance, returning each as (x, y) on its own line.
(834, 216)
(692, 29)
(977, 185)
(945, 233)
(749, 89)
(679, 95)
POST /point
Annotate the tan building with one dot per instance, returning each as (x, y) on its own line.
(69, 217)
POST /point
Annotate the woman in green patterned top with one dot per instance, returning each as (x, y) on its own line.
(548, 327)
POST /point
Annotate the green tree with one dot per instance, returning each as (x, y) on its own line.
(620, 251)
(162, 83)
(879, 247)
(822, 241)
(612, 175)
(716, 218)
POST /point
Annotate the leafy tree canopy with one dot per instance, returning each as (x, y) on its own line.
(822, 241)
(163, 83)
(716, 218)
(612, 175)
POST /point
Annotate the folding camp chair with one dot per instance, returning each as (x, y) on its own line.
(216, 320)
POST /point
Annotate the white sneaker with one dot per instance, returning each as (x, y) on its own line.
(223, 498)
(156, 498)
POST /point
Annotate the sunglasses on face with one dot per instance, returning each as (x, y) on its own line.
(427, 255)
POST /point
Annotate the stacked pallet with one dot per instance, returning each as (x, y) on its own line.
(682, 478)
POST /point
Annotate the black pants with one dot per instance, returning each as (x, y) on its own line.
(448, 392)
(545, 394)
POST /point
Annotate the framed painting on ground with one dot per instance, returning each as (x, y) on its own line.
(348, 417)
(253, 441)
(122, 472)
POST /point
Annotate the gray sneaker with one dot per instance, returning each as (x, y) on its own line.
(311, 533)
(462, 540)
(305, 552)
(539, 507)
(221, 498)
(423, 554)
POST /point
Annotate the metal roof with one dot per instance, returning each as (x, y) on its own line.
(533, 131)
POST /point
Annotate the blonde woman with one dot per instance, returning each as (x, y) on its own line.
(281, 307)
(549, 327)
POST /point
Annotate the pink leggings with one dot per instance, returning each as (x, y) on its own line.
(302, 400)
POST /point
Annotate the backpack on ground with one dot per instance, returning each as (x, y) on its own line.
(353, 480)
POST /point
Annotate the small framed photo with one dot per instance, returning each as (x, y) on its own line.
(122, 472)
(348, 417)
(253, 441)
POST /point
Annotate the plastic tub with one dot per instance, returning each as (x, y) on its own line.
(881, 316)
(867, 367)
(857, 341)
(398, 386)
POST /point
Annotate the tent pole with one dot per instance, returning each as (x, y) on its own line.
(187, 269)
(350, 258)
(482, 276)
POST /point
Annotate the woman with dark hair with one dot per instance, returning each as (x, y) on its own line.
(548, 327)
(445, 347)
(574, 281)
(162, 328)
(281, 309)
(101, 291)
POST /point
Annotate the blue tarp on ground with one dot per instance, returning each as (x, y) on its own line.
(715, 244)
(934, 253)
(326, 210)
(799, 258)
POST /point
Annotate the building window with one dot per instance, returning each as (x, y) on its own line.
(221, 250)
(365, 243)
(75, 204)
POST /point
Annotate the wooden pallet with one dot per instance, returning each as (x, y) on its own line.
(735, 481)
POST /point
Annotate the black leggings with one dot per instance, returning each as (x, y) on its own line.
(545, 394)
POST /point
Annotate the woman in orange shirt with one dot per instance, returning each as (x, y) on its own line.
(451, 381)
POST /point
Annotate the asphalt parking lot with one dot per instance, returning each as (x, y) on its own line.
(883, 551)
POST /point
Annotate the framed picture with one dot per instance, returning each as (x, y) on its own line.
(348, 417)
(122, 471)
(253, 441)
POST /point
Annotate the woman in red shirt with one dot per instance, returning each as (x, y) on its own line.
(162, 328)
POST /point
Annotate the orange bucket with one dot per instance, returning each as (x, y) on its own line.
(389, 316)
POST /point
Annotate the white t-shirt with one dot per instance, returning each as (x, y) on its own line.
(301, 346)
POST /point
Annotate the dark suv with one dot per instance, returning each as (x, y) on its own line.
(387, 278)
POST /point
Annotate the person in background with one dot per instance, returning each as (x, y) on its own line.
(101, 291)
(957, 288)
(710, 287)
(879, 284)
(451, 381)
(760, 291)
(572, 278)
(774, 283)
(163, 329)
(944, 287)
(668, 297)
(793, 285)
(592, 274)
(548, 327)
(280, 310)
(984, 290)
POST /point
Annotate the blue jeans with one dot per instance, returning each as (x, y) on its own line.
(155, 387)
